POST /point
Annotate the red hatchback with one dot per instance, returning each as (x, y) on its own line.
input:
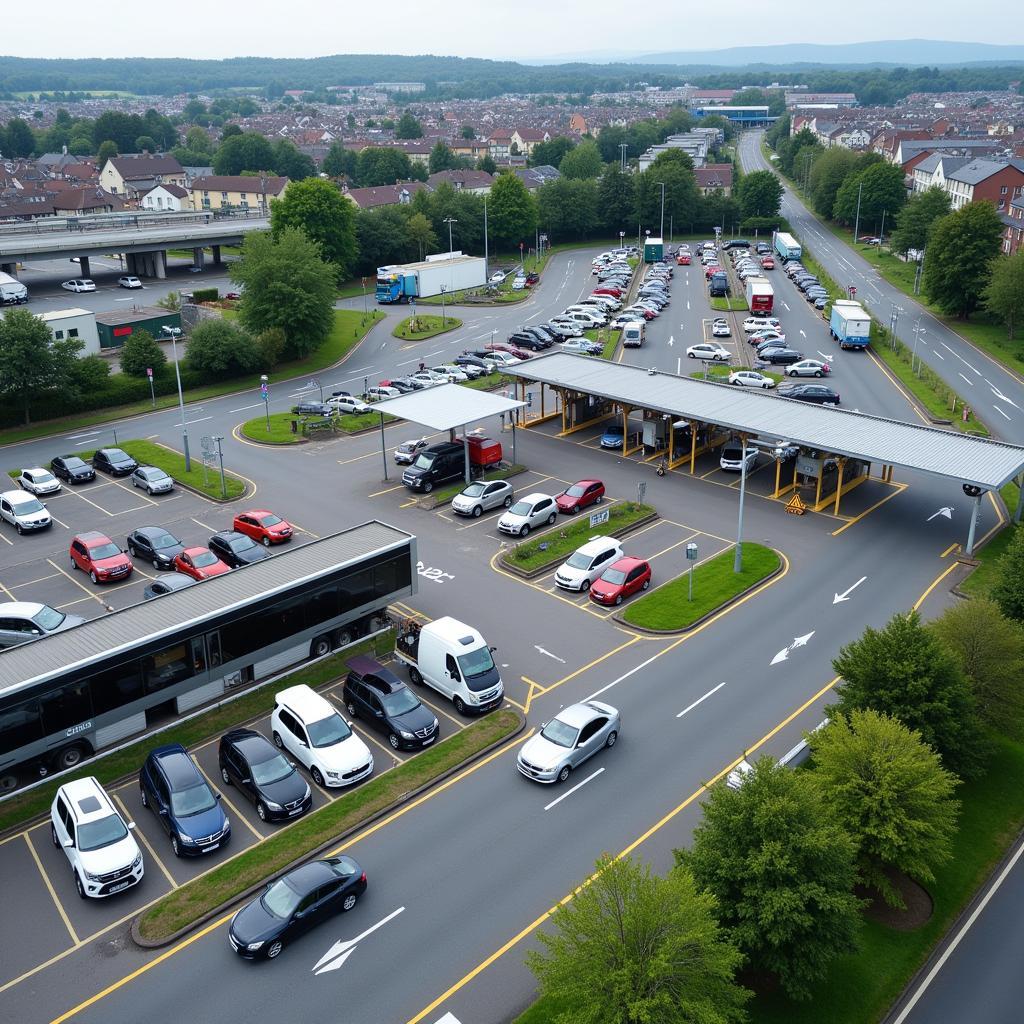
(200, 564)
(580, 495)
(683, 259)
(621, 579)
(263, 526)
(100, 557)
(607, 289)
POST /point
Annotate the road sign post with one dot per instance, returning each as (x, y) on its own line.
(641, 490)
(152, 393)
(691, 557)
(265, 395)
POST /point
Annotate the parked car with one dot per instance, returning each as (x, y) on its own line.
(582, 346)
(22, 621)
(183, 802)
(96, 839)
(452, 374)
(573, 736)
(312, 731)
(751, 379)
(200, 563)
(72, 469)
(708, 351)
(808, 368)
(38, 481)
(153, 479)
(720, 329)
(580, 495)
(24, 511)
(128, 281)
(155, 545)
(481, 496)
(523, 340)
(518, 282)
(346, 405)
(820, 394)
(620, 580)
(403, 385)
(780, 356)
(732, 457)
(683, 259)
(527, 514)
(96, 554)
(434, 465)
(613, 435)
(301, 898)
(254, 766)
(532, 278)
(79, 284)
(114, 461)
(311, 408)
(760, 323)
(587, 562)
(167, 585)
(381, 392)
(467, 359)
(263, 525)
(406, 451)
(236, 549)
(376, 695)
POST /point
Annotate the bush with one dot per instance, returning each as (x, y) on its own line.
(271, 343)
(205, 295)
(139, 353)
(218, 349)
(765, 225)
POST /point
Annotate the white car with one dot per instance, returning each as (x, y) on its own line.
(586, 563)
(128, 281)
(720, 330)
(708, 351)
(732, 457)
(345, 404)
(454, 374)
(481, 496)
(528, 513)
(504, 358)
(580, 345)
(21, 621)
(566, 327)
(96, 839)
(498, 277)
(751, 379)
(378, 394)
(38, 481)
(761, 323)
(808, 368)
(312, 731)
(153, 479)
(427, 379)
(79, 284)
(25, 512)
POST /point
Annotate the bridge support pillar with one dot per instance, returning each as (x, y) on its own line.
(131, 264)
(159, 264)
(216, 255)
(9, 268)
(83, 262)
(975, 509)
(198, 258)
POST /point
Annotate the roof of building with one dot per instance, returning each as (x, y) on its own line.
(270, 185)
(930, 164)
(714, 176)
(534, 177)
(384, 195)
(133, 167)
(120, 317)
(168, 186)
(462, 179)
(447, 406)
(980, 170)
(961, 457)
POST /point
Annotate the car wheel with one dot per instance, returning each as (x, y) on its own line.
(274, 949)
(19, 529)
(261, 810)
(135, 483)
(414, 675)
(738, 382)
(79, 886)
(460, 704)
(647, 583)
(618, 599)
(553, 517)
(393, 740)
(53, 835)
(175, 846)
(266, 542)
(612, 737)
(691, 355)
(477, 511)
(508, 502)
(143, 797)
(817, 373)
(317, 777)
(132, 551)
(278, 742)
(600, 498)
(428, 487)
(224, 775)
(93, 576)
(564, 773)
(574, 510)
(349, 901)
(766, 386)
(524, 529)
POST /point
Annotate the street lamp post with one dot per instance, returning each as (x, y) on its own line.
(737, 565)
(181, 398)
(856, 222)
(918, 330)
(487, 277)
(444, 288)
(265, 395)
(622, 239)
(622, 155)
(662, 229)
(451, 249)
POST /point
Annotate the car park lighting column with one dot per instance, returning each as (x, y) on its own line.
(737, 565)
(181, 398)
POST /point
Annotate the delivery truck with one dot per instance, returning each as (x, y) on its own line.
(760, 296)
(850, 325)
(454, 659)
(451, 272)
(11, 290)
(787, 246)
(633, 334)
(654, 250)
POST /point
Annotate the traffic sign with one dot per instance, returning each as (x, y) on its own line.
(796, 505)
(149, 372)
(597, 518)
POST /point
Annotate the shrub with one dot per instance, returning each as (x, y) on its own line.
(205, 295)
(218, 349)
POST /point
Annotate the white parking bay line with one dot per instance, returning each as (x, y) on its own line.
(700, 700)
(569, 792)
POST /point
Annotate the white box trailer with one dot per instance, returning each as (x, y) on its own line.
(11, 290)
(455, 271)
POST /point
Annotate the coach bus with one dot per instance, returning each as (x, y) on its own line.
(66, 696)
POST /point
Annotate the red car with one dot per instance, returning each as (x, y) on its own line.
(608, 290)
(711, 268)
(580, 495)
(200, 564)
(683, 259)
(767, 263)
(621, 579)
(96, 554)
(263, 526)
(519, 353)
(532, 278)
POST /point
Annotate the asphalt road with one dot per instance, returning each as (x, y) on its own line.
(475, 865)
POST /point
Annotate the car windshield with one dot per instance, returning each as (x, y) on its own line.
(280, 899)
(116, 455)
(271, 520)
(476, 663)
(108, 550)
(204, 559)
(424, 460)
(42, 478)
(155, 474)
(274, 770)
(614, 576)
(616, 428)
(74, 464)
(473, 491)
(328, 731)
(165, 540)
(399, 702)
(242, 544)
(560, 733)
(578, 560)
(521, 508)
(193, 800)
(48, 618)
(94, 835)
(574, 492)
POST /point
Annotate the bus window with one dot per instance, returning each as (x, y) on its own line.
(19, 725)
(66, 707)
(115, 687)
(167, 667)
(213, 648)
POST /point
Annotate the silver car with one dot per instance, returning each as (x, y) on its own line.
(575, 734)
(38, 481)
(481, 496)
(153, 479)
(528, 513)
(808, 368)
(21, 621)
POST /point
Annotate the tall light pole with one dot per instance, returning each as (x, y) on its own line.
(918, 330)
(451, 259)
(737, 564)
(444, 288)
(662, 232)
(856, 223)
(181, 398)
(265, 395)
(487, 276)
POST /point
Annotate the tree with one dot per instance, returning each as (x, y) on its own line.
(249, 151)
(902, 670)
(682, 200)
(782, 871)
(915, 220)
(228, 131)
(551, 153)
(468, 132)
(828, 173)
(1008, 591)
(145, 144)
(568, 209)
(512, 211)
(1004, 293)
(81, 146)
(384, 238)
(287, 285)
(31, 361)
(376, 165)
(880, 189)
(325, 215)
(199, 142)
(633, 947)
(291, 162)
(442, 158)
(760, 194)
(889, 791)
(270, 344)
(421, 232)
(486, 163)
(218, 349)
(340, 162)
(408, 127)
(956, 268)
(616, 194)
(141, 352)
(107, 151)
(989, 647)
(583, 161)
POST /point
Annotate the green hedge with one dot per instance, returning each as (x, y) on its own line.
(206, 295)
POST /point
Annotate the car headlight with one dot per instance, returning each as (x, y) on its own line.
(436, 724)
(137, 861)
(334, 775)
(406, 735)
(92, 877)
(307, 794)
(254, 946)
(227, 825)
(271, 806)
(186, 839)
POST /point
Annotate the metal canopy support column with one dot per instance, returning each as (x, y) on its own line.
(565, 413)
(969, 550)
(383, 447)
(778, 474)
(839, 486)
(465, 451)
(693, 447)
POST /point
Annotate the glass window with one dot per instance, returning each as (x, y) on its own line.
(167, 667)
(68, 706)
(282, 621)
(357, 588)
(73, 332)
(322, 605)
(58, 335)
(240, 638)
(20, 725)
(115, 687)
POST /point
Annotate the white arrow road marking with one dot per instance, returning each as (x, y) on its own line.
(448, 1018)
(548, 653)
(781, 656)
(946, 510)
(1000, 395)
(687, 303)
(1000, 411)
(825, 356)
(671, 340)
(798, 641)
(845, 595)
(803, 334)
(700, 699)
(569, 792)
(786, 305)
(341, 950)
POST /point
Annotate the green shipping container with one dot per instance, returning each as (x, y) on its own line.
(117, 327)
(654, 250)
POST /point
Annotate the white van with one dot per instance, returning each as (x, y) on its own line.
(11, 290)
(453, 659)
(633, 334)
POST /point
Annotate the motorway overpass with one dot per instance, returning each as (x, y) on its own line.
(144, 238)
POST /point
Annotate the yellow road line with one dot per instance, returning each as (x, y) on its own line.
(951, 548)
(146, 843)
(387, 490)
(895, 382)
(433, 707)
(49, 888)
(920, 601)
(95, 597)
(900, 488)
(7, 592)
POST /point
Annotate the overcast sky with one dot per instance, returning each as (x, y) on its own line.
(511, 31)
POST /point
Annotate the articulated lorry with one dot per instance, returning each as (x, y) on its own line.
(449, 272)
(760, 296)
(787, 246)
(11, 290)
(849, 324)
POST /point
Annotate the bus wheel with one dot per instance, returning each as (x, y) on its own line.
(8, 782)
(70, 756)
(320, 646)
(344, 637)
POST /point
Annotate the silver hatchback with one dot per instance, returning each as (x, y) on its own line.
(481, 496)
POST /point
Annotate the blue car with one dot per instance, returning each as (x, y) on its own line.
(612, 436)
(185, 805)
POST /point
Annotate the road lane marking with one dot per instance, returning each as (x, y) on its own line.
(95, 597)
(146, 843)
(49, 888)
(966, 378)
(1000, 411)
(244, 408)
(569, 792)
(700, 700)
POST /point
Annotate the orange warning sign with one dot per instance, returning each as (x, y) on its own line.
(796, 505)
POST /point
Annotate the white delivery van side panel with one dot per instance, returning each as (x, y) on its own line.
(633, 335)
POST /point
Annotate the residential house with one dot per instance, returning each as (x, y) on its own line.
(166, 198)
(1013, 231)
(470, 149)
(384, 195)
(578, 124)
(931, 171)
(133, 176)
(998, 182)
(500, 145)
(476, 182)
(235, 192)
(534, 177)
(526, 138)
(714, 178)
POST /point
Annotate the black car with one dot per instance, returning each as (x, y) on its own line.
(434, 465)
(523, 340)
(258, 769)
(154, 544)
(312, 409)
(780, 356)
(541, 333)
(236, 549)
(297, 901)
(405, 385)
(168, 585)
(377, 696)
(72, 469)
(820, 394)
(468, 359)
(114, 461)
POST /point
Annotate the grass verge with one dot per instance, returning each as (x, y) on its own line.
(488, 381)
(419, 327)
(606, 337)
(280, 431)
(447, 493)
(281, 426)
(720, 373)
(23, 807)
(558, 543)
(714, 584)
(981, 581)
(727, 304)
(183, 906)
